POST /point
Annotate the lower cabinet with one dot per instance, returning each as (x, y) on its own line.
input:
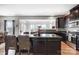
(77, 42)
(46, 47)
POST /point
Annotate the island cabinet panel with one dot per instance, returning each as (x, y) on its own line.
(46, 47)
(39, 46)
(53, 47)
(77, 41)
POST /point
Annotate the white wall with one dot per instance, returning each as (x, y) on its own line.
(1, 24)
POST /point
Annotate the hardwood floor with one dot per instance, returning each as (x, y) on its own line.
(65, 49)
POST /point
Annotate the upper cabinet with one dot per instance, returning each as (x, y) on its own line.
(61, 22)
(74, 13)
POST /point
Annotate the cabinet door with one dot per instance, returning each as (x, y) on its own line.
(39, 46)
(46, 47)
(77, 43)
(53, 47)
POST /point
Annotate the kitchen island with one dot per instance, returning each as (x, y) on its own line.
(46, 44)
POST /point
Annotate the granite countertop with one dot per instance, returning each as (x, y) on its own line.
(47, 36)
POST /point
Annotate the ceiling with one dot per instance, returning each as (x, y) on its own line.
(34, 9)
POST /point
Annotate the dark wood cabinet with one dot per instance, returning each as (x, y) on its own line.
(61, 22)
(74, 13)
(77, 40)
(53, 47)
(46, 46)
(39, 46)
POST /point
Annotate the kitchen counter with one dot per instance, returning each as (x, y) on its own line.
(46, 36)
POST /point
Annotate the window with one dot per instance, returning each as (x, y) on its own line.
(9, 27)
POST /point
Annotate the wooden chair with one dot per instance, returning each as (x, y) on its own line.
(24, 43)
(10, 41)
